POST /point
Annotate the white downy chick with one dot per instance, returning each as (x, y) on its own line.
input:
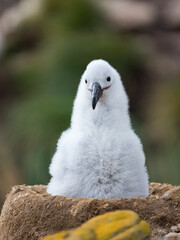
(99, 156)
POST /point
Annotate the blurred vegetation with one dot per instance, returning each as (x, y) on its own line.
(42, 65)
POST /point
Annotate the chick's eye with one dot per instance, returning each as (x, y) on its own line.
(108, 79)
(85, 81)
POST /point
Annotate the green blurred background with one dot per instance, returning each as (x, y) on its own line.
(42, 60)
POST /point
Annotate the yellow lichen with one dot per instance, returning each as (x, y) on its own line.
(137, 232)
(83, 234)
(118, 225)
(61, 235)
(112, 223)
(78, 234)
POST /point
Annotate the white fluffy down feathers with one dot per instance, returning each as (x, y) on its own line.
(99, 156)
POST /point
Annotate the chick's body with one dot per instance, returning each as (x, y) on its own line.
(99, 155)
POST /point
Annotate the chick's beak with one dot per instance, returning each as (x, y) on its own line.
(96, 93)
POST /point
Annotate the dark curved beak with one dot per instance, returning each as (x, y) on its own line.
(96, 93)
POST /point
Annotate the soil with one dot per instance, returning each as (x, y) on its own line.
(29, 212)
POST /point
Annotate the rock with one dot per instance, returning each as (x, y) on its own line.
(29, 212)
(141, 15)
(171, 14)
(128, 14)
(15, 15)
(172, 236)
(175, 228)
(5, 4)
(121, 225)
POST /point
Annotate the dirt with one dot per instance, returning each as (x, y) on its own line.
(29, 212)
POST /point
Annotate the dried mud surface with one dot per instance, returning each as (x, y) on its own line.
(29, 212)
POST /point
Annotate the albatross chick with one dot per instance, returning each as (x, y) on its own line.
(99, 156)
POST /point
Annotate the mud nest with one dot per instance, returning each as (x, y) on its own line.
(29, 212)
